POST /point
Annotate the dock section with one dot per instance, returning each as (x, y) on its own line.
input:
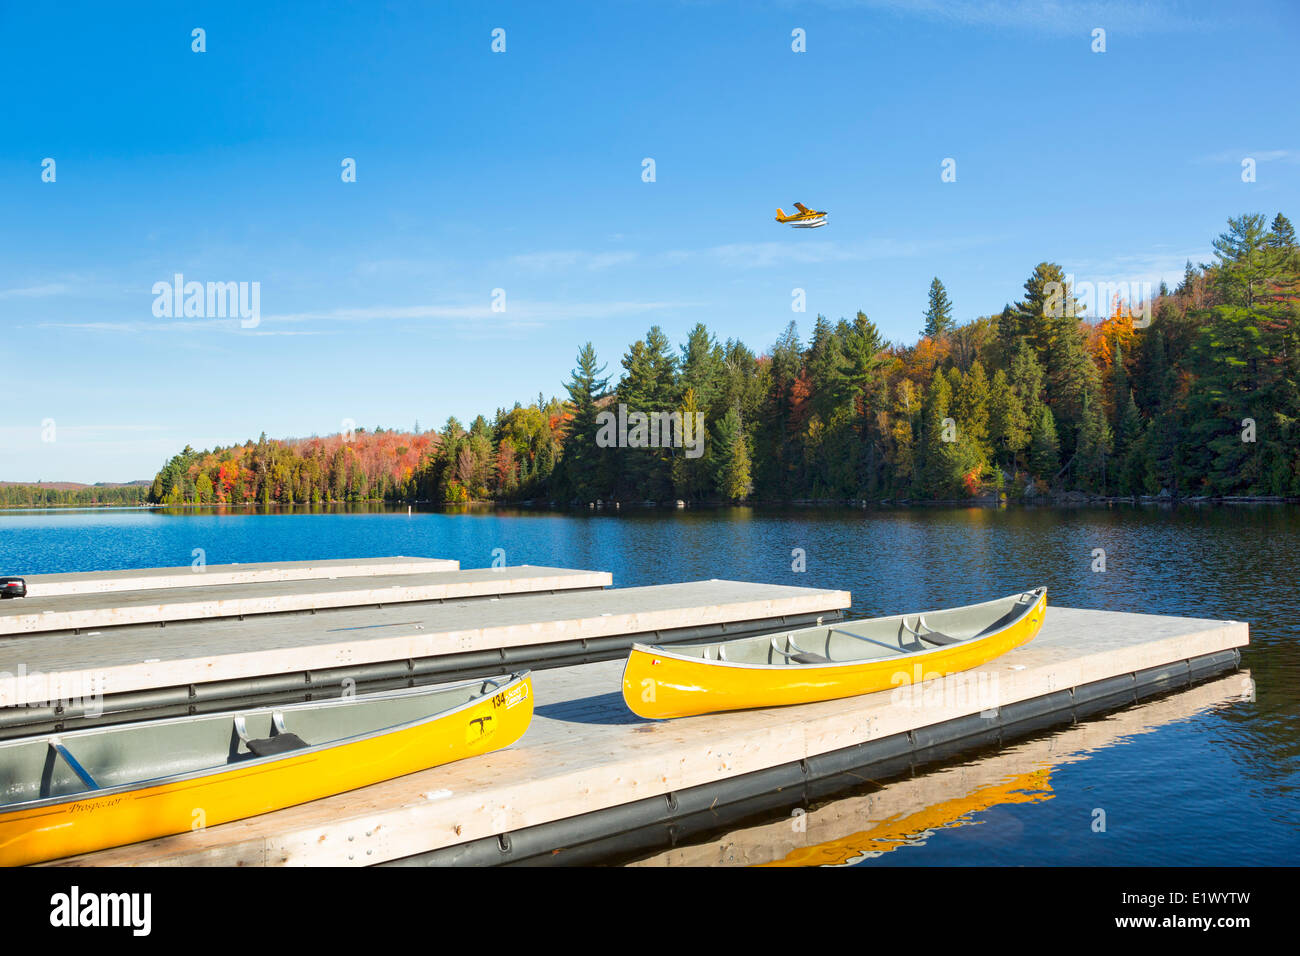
(588, 768)
(209, 601)
(56, 676)
(100, 582)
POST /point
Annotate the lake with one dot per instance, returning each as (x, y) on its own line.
(1216, 785)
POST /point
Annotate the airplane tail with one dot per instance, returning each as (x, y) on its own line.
(779, 214)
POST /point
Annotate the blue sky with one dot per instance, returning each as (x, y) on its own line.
(522, 171)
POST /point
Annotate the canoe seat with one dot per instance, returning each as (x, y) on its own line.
(279, 744)
(939, 638)
(804, 657)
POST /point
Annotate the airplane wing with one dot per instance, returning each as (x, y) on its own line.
(801, 207)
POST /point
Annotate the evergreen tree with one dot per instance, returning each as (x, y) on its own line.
(733, 481)
(1281, 234)
(583, 462)
(693, 473)
(648, 387)
(702, 370)
(1245, 264)
(949, 456)
(1044, 446)
(971, 408)
(1009, 424)
(1026, 377)
(1130, 449)
(938, 317)
(1094, 447)
(1048, 304)
(1281, 242)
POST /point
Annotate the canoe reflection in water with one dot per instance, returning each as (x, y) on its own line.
(910, 812)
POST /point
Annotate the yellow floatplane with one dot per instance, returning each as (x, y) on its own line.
(63, 794)
(805, 218)
(825, 663)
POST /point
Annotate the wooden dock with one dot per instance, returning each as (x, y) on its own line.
(210, 601)
(100, 582)
(587, 765)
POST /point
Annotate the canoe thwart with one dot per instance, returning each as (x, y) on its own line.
(869, 640)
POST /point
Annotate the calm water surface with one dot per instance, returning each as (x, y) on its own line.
(1216, 785)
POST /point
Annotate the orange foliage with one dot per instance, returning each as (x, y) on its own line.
(920, 362)
(800, 392)
(1115, 330)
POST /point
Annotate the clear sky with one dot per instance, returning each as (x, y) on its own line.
(522, 171)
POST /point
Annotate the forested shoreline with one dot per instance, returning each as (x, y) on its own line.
(1198, 394)
(40, 495)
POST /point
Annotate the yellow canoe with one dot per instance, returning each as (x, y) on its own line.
(825, 663)
(63, 794)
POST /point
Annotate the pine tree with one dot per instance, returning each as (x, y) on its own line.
(1009, 424)
(935, 408)
(950, 456)
(1026, 377)
(583, 472)
(1245, 264)
(826, 367)
(1130, 449)
(971, 408)
(938, 317)
(649, 386)
(702, 370)
(1094, 446)
(901, 457)
(733, 480)
(1281, 234)
(1048, 302)
(1281, 242)
(1044, 446)
(692, 464)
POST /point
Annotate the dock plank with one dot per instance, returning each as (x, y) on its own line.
(187, 576)
(120, 608)
(586, 752)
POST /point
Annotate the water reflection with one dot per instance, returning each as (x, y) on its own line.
(909, 813)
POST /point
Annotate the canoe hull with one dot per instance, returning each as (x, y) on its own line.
(659, 685)
(85, 823)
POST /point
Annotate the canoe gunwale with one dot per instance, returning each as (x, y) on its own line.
(1037, 596)
(506, 681)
